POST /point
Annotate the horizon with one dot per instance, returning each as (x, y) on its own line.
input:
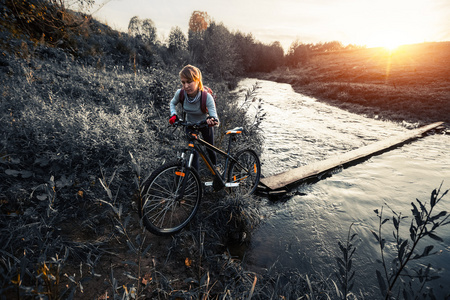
(381, 24)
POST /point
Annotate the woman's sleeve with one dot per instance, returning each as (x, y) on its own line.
(174, 102)
(211, 106)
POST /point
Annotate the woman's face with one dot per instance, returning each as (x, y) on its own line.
(191, 87)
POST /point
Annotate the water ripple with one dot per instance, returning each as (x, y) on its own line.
(299, 130)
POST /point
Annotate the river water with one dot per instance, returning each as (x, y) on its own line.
(302, 231)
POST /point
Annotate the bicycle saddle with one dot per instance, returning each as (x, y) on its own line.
(236, 130)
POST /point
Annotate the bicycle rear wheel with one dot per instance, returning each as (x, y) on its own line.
(246, 171)
(162, 209)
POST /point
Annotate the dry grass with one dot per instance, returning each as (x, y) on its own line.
(67, 185)
(411, 83)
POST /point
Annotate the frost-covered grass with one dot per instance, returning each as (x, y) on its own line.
(71, 134)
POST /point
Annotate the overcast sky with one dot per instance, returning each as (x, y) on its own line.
(362, 22)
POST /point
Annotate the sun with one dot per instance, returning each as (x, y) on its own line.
(391, 24)
(391, 45)
(389, 40)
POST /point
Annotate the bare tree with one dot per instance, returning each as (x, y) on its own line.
(177, 40)
(142, 29)
(149, 31)
(134, 26)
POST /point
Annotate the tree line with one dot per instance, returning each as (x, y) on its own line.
(210, 45)
(226, 54)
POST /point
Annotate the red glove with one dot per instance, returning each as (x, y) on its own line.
(173, 119)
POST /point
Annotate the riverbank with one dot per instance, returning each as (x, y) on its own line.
(410, 83)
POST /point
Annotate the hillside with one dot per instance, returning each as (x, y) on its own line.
(410, 83)
(82, 124)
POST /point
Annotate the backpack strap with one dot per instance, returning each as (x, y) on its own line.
(181, 100)
(203, 102)
(181, 97)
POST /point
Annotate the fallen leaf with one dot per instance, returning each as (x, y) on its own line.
(188, 262)
(146, 279)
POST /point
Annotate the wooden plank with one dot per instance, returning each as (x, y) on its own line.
(295, 175)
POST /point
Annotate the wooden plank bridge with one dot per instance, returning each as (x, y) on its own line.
(282, 180)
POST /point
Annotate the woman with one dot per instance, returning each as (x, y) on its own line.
(191, 80)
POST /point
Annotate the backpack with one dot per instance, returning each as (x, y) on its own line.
(205, 92)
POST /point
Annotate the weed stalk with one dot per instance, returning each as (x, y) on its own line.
(423, 224)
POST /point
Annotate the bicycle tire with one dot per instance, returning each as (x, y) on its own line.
(161, 212)
(247, 177)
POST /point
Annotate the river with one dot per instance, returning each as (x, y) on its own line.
(302, 231)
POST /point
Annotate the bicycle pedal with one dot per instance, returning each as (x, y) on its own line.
(232, 184)
(218, 184)
(208, 183)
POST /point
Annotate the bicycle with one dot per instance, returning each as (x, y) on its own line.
(171, 196)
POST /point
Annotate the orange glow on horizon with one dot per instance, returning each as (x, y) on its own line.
(392, 40)
(391, 46)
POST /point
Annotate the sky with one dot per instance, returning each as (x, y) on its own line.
(362, 22)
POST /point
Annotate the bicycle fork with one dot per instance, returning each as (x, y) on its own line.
(184, 173)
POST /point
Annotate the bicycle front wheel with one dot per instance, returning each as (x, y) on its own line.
(246, 171)
(163, 209)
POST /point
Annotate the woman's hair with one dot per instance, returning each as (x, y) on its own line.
(192, 73)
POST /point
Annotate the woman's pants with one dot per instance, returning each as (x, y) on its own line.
(208, 136)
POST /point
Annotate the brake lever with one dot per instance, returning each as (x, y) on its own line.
(175, 125)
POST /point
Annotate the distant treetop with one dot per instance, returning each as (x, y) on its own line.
(199, 21)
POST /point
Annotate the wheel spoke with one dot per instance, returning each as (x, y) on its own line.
(246, 171)
(163, 209)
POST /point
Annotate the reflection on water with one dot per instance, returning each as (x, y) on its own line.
(303, 231)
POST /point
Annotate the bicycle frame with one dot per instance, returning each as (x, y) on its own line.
(193, 145)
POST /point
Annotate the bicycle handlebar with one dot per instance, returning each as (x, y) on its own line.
(199, 125)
